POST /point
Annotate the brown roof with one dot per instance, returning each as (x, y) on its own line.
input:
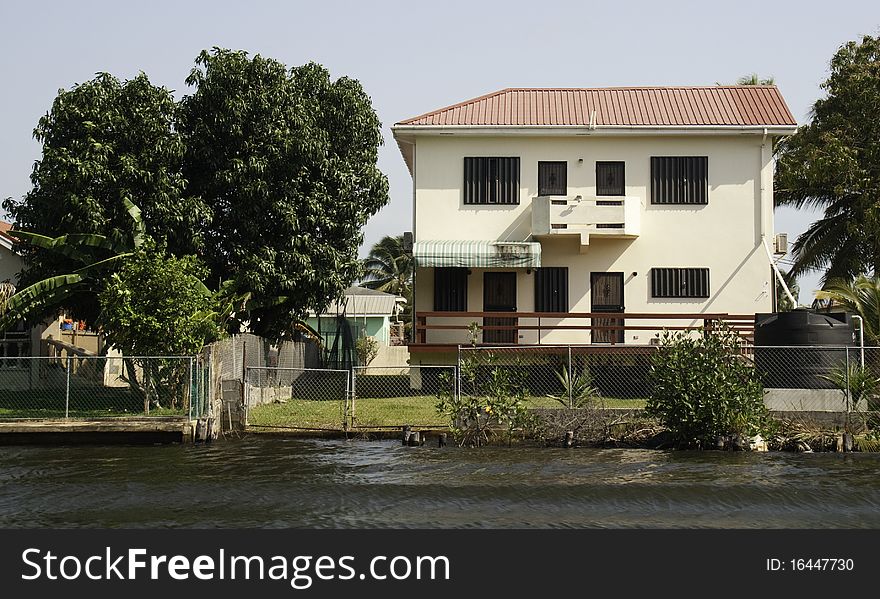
(717, 105)
(4, 227)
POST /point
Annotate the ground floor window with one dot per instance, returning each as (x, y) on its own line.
(450, 289)
(551, 289)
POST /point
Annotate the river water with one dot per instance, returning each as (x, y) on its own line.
(278, 482)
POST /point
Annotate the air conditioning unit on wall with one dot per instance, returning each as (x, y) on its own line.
(511, 250)
(780, 243)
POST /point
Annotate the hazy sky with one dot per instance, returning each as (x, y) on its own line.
(412, 57)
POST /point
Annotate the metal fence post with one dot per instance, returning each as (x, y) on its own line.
(349, 396)
(67, 391)
(191, 389)
(348, 410)
(570, 380)
(456, 389)
(246, 389)
(846, 379)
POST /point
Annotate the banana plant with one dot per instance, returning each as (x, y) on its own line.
(90, 250)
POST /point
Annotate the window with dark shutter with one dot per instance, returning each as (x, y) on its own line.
(552, 178)
(450, 289)
(679, 282)
(551, 289)
(491, 180)
(679, 180)
(610, 178)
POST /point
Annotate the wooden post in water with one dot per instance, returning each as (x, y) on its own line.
(407, 431)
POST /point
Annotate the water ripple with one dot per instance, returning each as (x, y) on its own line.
(266, 482)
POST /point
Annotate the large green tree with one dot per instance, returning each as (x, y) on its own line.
(833, 163)
(286, 161)
(105, 141)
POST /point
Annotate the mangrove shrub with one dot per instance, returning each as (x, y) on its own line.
(703, 388)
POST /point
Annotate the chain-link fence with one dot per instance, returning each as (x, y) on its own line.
(795, 378)
(76, 386)
(296, 398)
(365, 398)
(237, 353)
(391, 397)
(560, 376)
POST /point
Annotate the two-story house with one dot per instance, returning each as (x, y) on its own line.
(537, 212)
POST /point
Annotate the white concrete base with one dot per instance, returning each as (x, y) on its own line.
(807, 400)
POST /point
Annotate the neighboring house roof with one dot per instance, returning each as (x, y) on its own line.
(360, 301)
(5, 240)
(717, 105)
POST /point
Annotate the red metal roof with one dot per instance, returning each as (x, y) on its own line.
(718, 105)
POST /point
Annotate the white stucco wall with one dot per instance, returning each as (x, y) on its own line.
(724, 235)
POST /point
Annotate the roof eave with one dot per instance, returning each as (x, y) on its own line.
(402, 132)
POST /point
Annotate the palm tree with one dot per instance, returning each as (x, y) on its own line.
(783, 304)
(389, 268)
(860, 296)
(752, 79)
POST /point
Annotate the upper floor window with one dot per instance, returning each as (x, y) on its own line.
(491, 180)
(552, 178)
(609, 178)
(679, 179)
(679, 282)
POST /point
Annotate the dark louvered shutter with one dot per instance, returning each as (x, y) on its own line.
(450, 289)
(491, 180)
(551, 289)
(679, 179)
(680, 282)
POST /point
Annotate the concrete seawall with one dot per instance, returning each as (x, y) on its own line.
(96, 431)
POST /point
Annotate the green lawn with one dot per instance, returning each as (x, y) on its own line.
(96, 402)
(377, 412)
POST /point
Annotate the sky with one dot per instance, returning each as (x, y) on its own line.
(412, 57)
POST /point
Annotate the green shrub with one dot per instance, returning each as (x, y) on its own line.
(703, 388)
(491, 399)
(367, 349)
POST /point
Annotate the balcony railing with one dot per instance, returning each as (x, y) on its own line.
(537, 328)
(586, 217)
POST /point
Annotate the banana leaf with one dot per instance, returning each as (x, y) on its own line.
(42, 295)
(139, 227)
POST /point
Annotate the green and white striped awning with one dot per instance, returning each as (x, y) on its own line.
(477, 254)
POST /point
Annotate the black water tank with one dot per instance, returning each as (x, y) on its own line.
(798, 349)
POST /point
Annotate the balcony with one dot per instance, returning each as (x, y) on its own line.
(440, 331)
(610, 217)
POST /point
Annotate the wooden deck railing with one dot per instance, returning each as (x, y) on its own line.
(598, 324)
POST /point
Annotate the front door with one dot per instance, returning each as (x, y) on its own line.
(606, 294)
(499, 295)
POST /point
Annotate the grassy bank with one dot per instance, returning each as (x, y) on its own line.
(379, 412)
